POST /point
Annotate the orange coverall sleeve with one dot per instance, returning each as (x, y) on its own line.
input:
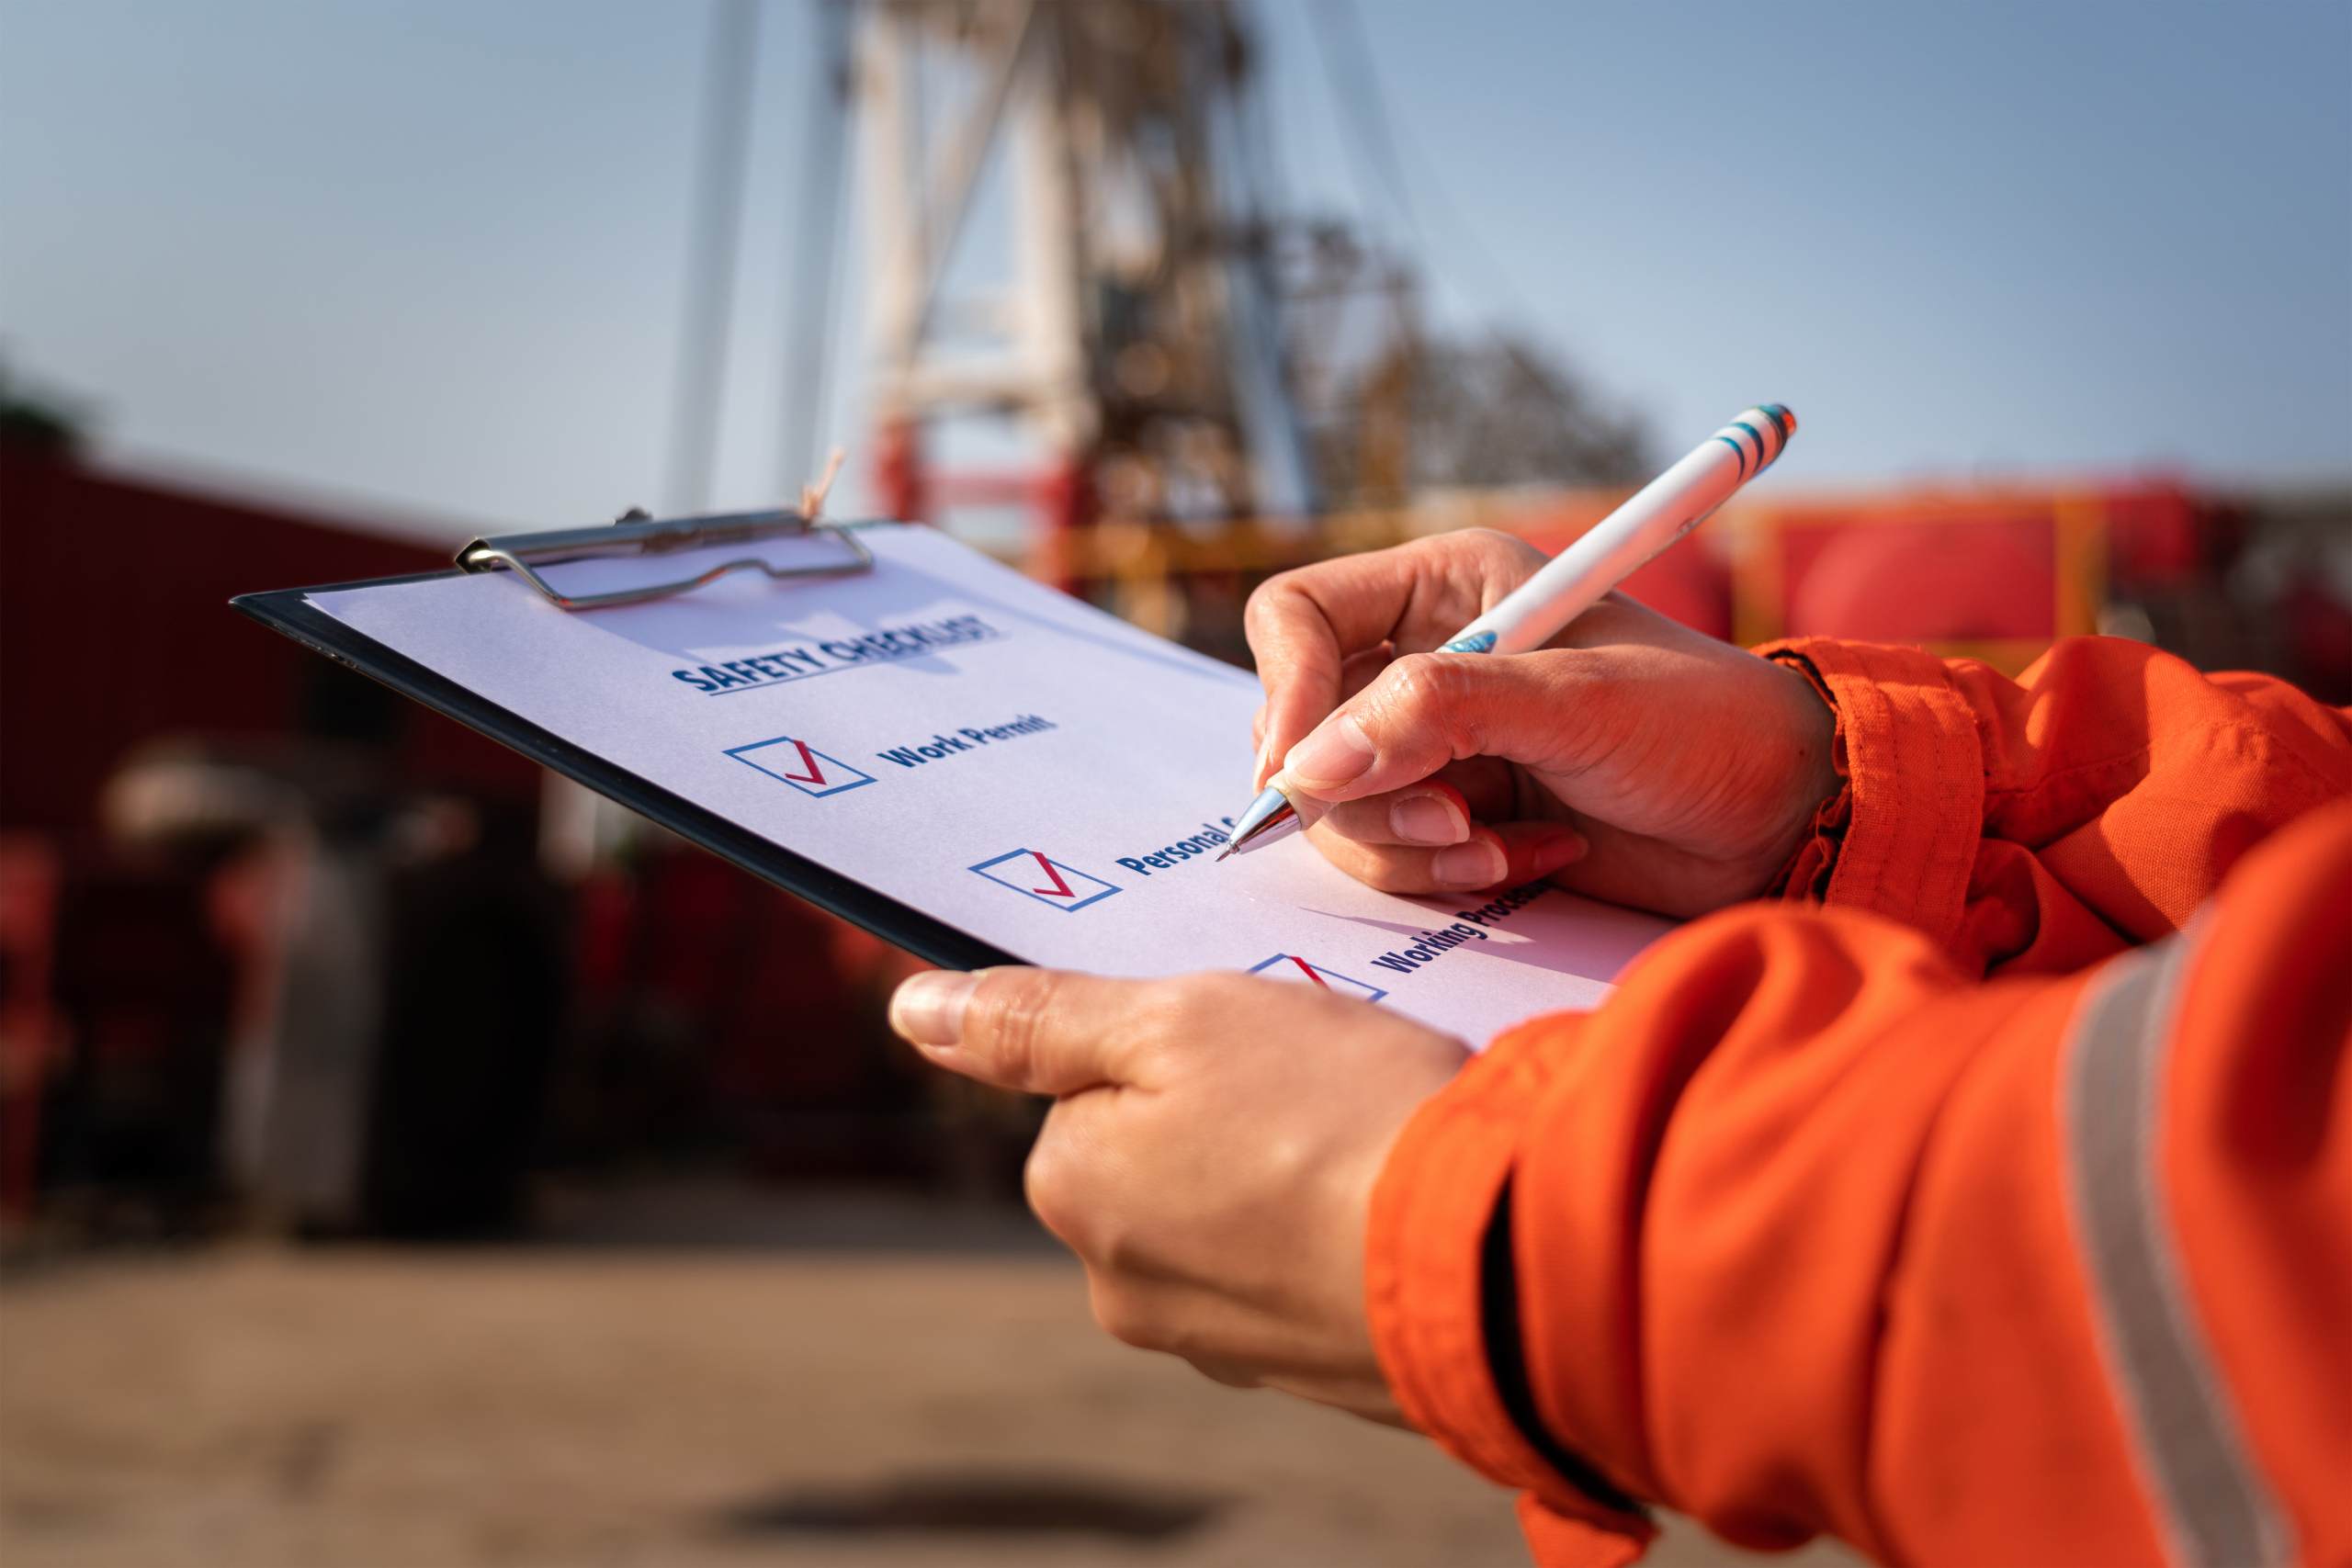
(2048, 822)
(1812, 1229)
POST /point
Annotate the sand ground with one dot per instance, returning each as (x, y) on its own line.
(829, 1389)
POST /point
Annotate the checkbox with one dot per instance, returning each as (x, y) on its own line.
(794, 762)
(1294, 970)
(1034, 875)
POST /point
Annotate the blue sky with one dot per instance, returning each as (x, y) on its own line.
(428, 254)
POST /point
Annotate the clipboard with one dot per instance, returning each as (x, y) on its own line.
(289, 612)
(893, 733)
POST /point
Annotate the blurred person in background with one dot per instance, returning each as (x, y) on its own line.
(1971, 1183)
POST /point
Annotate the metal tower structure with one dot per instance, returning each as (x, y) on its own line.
(1128, 323)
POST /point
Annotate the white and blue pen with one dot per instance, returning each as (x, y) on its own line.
(1573, 580)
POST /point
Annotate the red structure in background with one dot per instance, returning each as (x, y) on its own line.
(1061, 497)
(125, 968)
(684, 1006)
(1982, 575)
(115, 628)
(31, 1033)
(1996, 574)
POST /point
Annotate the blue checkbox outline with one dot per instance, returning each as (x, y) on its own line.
(1373, 992)
(863, 776)
(1108, 886)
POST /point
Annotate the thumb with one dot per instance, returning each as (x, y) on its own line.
(1036, 1031)
(1428, 709)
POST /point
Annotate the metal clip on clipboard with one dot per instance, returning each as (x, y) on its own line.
(634, 535)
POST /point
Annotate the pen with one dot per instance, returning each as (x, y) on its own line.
(1573, 580)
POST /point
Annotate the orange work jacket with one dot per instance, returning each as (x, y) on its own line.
(1987, 1201)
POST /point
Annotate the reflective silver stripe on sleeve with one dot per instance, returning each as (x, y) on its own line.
(2212, 1502)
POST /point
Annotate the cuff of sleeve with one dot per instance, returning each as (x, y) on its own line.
(1429, 1213)
(1901, 839)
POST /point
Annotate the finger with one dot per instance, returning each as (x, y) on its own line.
(1429, 814)
(1439, 810)
(1302, 631)
(1428, 709)
(1501, 856)
(1356, 671)
(1303, 624)
(1361, 670)
(1037, 1030)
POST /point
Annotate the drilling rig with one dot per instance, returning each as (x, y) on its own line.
(1088, 303)
(1136, 331)
(1138, 313)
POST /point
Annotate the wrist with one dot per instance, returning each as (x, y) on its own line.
(1820, 795)
(1900, 837)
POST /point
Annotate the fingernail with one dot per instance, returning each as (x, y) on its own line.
(1551, 856)
(1258, 775)
(1478, 864)
(1336, 753)
(928, 1010)
(1427, 819)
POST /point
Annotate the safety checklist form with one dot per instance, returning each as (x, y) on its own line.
(986, 754)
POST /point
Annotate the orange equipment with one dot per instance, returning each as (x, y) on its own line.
(1985, 575)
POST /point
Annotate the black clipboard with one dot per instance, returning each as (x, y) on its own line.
(290, 612)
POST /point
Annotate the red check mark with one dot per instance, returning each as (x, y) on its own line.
(815, 774)
(1308, 970)
(1059, 889)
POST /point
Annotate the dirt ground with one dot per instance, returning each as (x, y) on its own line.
(832, 1388)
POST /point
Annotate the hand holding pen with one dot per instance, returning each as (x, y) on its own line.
(1619, 753)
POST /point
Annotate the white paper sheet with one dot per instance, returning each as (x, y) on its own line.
(1015, 763)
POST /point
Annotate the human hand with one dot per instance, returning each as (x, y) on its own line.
(1210, 1156)
(1629, 758)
